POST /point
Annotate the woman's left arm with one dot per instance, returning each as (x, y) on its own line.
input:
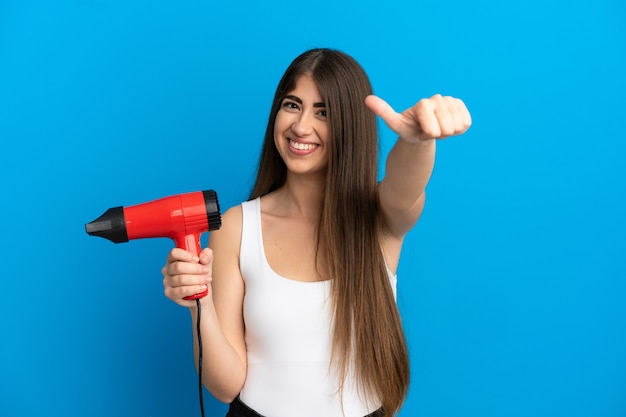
(410, 162)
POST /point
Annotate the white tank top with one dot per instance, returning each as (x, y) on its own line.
(288, 338)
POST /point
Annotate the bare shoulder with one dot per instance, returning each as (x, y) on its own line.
(227, 239)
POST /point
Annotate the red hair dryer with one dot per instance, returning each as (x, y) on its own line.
(182, 217)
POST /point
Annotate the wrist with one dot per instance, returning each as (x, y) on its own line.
(417, 142)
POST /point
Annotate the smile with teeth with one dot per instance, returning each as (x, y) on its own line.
(302, 146)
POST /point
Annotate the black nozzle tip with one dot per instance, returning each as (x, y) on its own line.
(212, 209)
(111, 225)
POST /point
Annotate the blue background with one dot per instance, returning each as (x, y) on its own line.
(512, 285)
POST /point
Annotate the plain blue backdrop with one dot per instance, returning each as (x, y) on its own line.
(512, 286)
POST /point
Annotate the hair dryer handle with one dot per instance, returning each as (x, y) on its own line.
(191, 243)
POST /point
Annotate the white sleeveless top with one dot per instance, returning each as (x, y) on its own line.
(288, 333)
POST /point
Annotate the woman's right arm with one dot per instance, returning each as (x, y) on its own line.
(224, 351)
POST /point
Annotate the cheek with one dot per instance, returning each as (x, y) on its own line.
(279, 124)
(324, 134)
(276, 125)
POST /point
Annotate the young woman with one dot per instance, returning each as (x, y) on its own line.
(301, 318)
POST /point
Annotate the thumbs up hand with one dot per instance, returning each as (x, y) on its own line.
(437, 117)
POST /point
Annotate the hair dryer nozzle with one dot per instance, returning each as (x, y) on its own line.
(111, 225)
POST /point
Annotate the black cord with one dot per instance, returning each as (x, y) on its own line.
(199, 359)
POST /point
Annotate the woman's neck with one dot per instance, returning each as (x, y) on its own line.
(301, 196)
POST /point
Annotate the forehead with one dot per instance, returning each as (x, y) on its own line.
(306, 88)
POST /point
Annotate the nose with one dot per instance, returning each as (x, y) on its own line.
(303, 125)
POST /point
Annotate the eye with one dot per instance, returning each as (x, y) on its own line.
(322, 113)
(290, 105)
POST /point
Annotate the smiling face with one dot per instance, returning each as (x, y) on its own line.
(301, 129)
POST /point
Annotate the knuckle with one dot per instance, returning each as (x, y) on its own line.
(423, 104)
(184, 280)
(168, 293)
(432, 132)
(447, 131)
(171, 269)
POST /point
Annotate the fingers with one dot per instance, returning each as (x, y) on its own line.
(186, 274)
(178, 294)
(178, 254)
(429, 118)
(383, 110)
(441, 117)
(401, 123)
(206, 256)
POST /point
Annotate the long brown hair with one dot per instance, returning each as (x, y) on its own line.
(368, 336)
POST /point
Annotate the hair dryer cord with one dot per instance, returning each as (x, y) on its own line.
(199, 359)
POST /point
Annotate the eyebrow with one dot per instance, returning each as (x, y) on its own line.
(299, 101)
